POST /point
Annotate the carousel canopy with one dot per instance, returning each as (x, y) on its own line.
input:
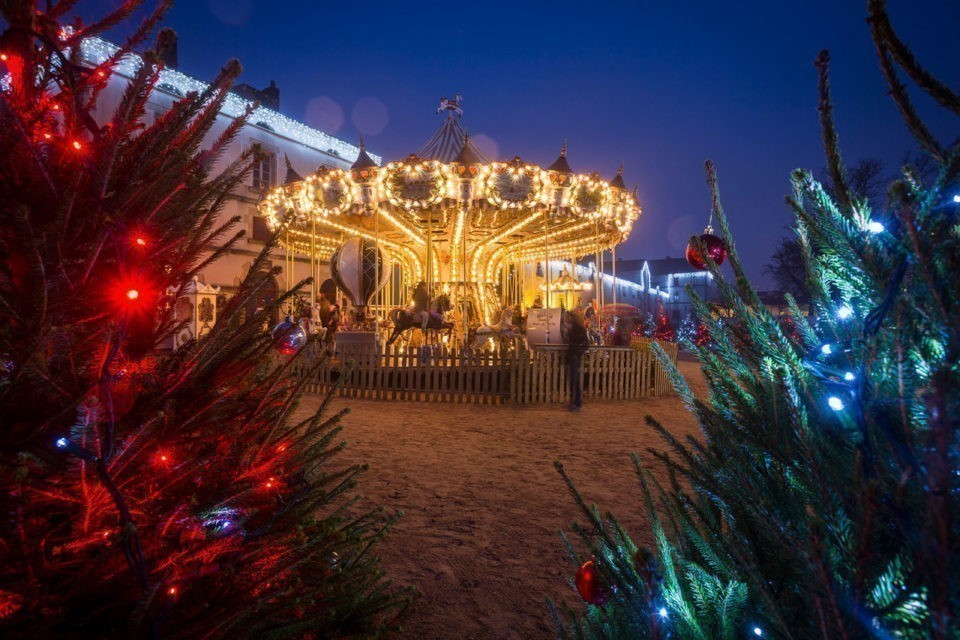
(450, 142)
(448, 214)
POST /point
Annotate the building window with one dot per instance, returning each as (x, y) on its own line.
(265, 171)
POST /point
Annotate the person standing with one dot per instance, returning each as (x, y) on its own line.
(576, 345)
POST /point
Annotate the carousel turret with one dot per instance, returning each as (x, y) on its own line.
(561, 176)
(466, 165)
(364, 173)
(617, 181)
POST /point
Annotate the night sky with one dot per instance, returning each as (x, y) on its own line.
(659, 86)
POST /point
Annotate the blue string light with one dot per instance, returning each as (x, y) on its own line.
(876, 227)
(835, 403)
(663, 613)
(757, 631)
(62, 443)
(844, 312)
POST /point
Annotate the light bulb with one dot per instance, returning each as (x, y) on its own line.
(826, 349)
(835, 403)
(133, 294)
(844, 312)
(875, 227)
(848, 376)
(663, 612)
(757, 631)
(62, 443)
(956, 199)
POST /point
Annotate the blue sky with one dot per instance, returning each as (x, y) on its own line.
(658, 86)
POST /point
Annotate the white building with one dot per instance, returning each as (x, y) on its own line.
(283, 139)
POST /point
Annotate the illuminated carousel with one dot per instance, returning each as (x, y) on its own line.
(474, 230)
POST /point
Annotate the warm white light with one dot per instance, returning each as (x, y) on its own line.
(836, 404)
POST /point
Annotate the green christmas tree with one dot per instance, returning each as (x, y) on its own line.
(146, 492)
(822, 498)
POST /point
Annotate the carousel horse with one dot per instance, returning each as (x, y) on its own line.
(404, 319)
(503, 330)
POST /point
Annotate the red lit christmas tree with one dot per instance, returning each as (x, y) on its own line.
(664, 329)
(149, 493)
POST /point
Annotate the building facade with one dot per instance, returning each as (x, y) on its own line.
(287, 145)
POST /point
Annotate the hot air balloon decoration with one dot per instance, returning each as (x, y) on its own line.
(356, 266)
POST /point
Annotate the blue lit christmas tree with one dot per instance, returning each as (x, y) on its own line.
(822, 498)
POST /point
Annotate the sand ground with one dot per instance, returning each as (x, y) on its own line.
(483, 502)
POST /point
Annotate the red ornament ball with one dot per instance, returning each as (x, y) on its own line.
(715, 247)
(589, 586)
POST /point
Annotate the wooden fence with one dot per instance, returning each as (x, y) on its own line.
(519, 377)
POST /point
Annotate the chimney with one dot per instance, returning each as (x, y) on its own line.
(168, 49)
(270, 97)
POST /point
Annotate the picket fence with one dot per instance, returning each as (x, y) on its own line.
(519, 377)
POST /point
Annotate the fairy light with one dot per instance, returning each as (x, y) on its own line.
(132, 294)
(77, 145)
(826, 349)
(757, 631)
(663, 613)
(836, 404)
(62, 443)
(97, 51)
(844, 312)
(849, 376)
(875, 227)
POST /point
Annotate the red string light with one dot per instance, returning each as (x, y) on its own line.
(77, 145)
(133, 294)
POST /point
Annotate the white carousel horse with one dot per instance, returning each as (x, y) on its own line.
(503, 330)
(448, 104)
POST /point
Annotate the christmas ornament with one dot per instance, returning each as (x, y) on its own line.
(289, 337)
(714, 247)
(589, 586)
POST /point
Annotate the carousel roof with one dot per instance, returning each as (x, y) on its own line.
(450, 214)
(618, 179)
(449, 141)
(364, 161)
(560, 165)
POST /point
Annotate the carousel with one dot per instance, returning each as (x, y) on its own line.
(474, 238)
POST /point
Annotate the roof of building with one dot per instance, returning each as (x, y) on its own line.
(448, 141)
(98, 51)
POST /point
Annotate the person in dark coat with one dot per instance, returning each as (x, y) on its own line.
(576, 345)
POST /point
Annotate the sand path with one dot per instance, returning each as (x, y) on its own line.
(483, 502)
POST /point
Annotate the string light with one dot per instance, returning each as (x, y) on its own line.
(77, 145)
(757, 631)
(849, 376)
(875, 226)
(826, 349)
(836, 404)
(956, 199)
(663, 613)
(133, 294)
(97, 51)
(844, 312)
(62, 443)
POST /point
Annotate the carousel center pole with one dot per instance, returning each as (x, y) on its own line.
(376, 274)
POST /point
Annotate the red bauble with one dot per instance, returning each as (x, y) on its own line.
(715, 247)
(591, 589)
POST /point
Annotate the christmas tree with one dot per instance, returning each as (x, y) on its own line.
(150, 492)
(822, 499)
(687, 329)
(664, 329)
